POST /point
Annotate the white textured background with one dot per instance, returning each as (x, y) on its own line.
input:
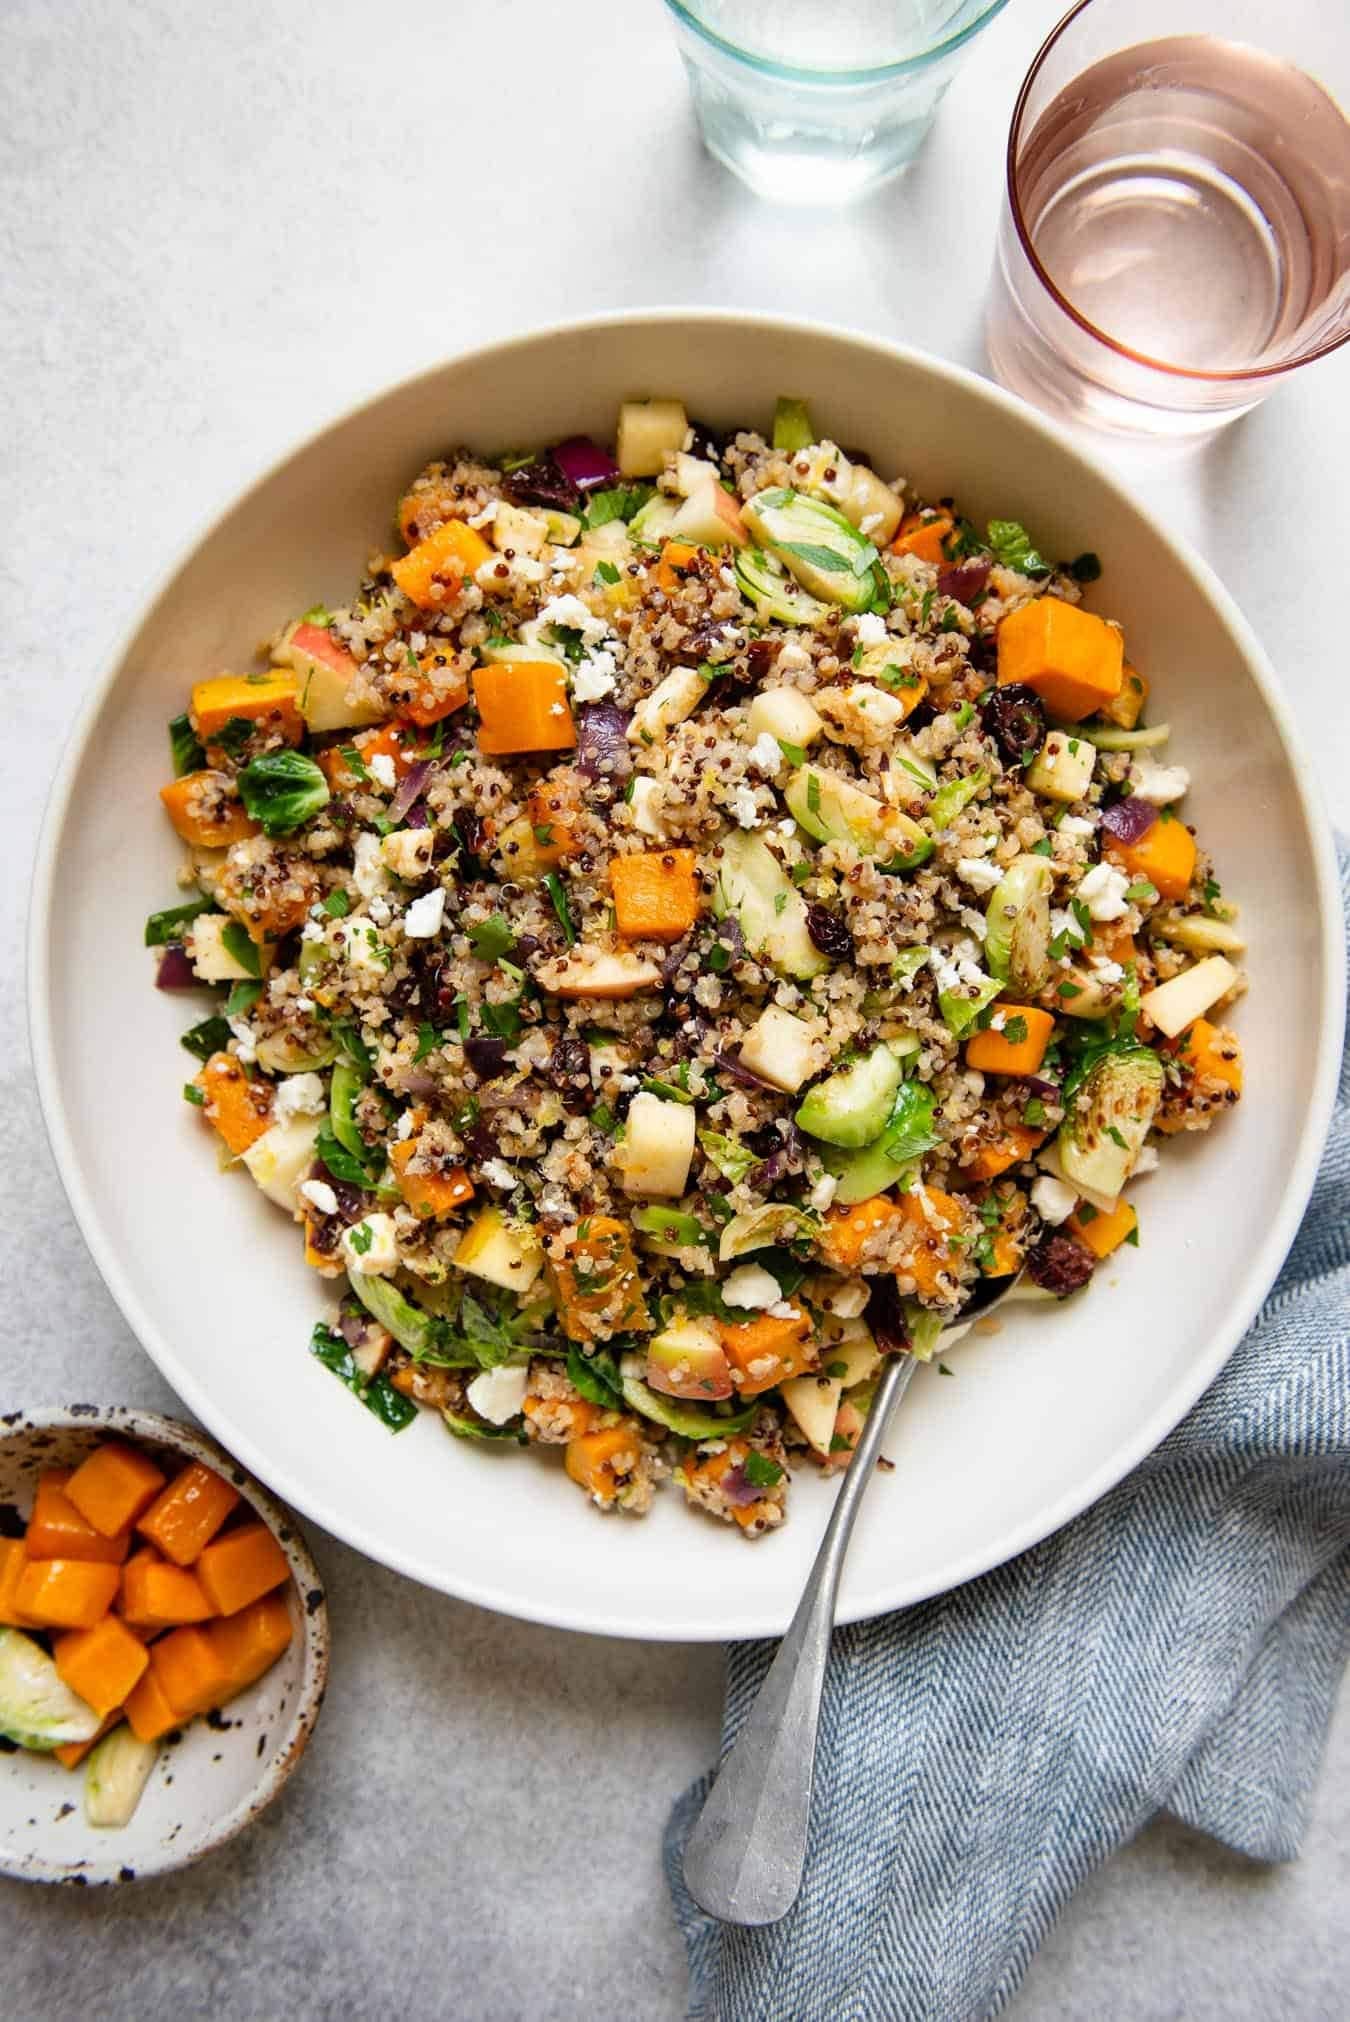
(219, 227)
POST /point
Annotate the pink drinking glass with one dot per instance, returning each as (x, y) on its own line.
(1176, 232)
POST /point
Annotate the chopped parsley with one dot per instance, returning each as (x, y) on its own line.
(161, 929)
(491, 938)
(760, 1471)
(605, 572)
(337, 905)
(242, 998)
(237, 942)
(1015, 1030)
(557, 892)
(377, 1393)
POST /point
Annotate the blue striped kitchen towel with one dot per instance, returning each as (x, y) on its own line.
(1177, 1647)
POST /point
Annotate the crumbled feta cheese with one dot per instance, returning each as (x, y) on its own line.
(1147, 1161)
(312, 931)
(305, 1004)
(1053, 1201)
(822, 1193)
(869, 629)
(298, 1095)
(1077, 824)
(645, 802)
(569, 611)
(479, 521)
(1102, 890)
(498, 1174)
(869, 523)
(381, 769)
(424, 916)
(320, 1195)
(1108, 973)
(498, 1394)
(1064, 923)
(784, 1310)
(1158, 783)
(766, 754)
(744, 806)
(403, 1129)
(367, 865)
(243, 1035)
(381, 912)
(979, 873)
(369, 1246)
(792, 656)
(364, 949)
(595, 677)
(752, 1287)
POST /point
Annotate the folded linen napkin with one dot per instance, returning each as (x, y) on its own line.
(1176, 1647)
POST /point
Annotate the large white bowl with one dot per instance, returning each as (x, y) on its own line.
(1038, 1420)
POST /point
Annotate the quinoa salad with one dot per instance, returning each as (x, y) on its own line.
(697, 914)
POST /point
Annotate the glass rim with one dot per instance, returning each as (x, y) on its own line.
(1085, 323)
(791, 74)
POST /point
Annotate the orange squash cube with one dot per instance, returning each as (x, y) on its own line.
(1074, 660)
(235, 1105)
(65, 1593)
(923, 534)
(70, 1754)
(523, 706)
(101, 1664)
(849, 1230)
(270, 702)
(240, 1567)
(656, 894)
(185, 1666)
(1015, 1044)
(937, 1219)
(600, 1280)
(1102, 1230)
(13, 1560)
(149, 1714)
(113, 1487)
(57, 1530)
(430, 573)
(767, 1351)
(158, 1595)
(206, 811)
(1164, 854)
(991, 1159)
(249, 1642)
(597, 1461)
(671, 569)
(431, 1195)
(187, 1515)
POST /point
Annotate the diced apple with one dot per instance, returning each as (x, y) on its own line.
(1179, 1002)
(515, 528)
(211, 959)
(597, 972)
(1195, 932)
(645, 801)
(649, 431)
(854, 1359)
(871, 505)
(692, 473)
(814, 1401)
(281, 1158)
(688, 1360)
(782, 1050)
(491, 1249)
(669, 703)
(326, 671)
(659, 1147)
(710, 518)
(785, 713)
(1062, 768)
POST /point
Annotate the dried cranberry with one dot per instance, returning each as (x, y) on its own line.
(761, 654)
(705, 442)
(542, 483)
(570, 1061)
(1014, 718)
(1060, 1265)
(487, 1057)
(984, 652)
(472, 831)
(965, 581)
(829, 931)
(886, 1316)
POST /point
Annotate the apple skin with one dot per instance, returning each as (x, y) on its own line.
(319, 644)
(710, 518)
(686, 1362)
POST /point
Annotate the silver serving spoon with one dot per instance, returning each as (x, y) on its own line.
(744, 1859)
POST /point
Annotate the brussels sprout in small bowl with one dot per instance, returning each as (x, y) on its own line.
(88, 1819)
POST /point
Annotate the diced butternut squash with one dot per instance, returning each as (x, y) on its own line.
(1103, 1229)
(56, 1529)
(523, 706)
(671, 570)
(1014, 1041)
(922, 534)
(71, 1754)
(206, 810)
(708, 1470)
(235, 1105)
(597, 1461)
(249, 1642)
(113, 1487)
(1127, 708)
(553, 837)
(937, 1220)
(13, 1560)
(1164, 854)
(188, 1671)
(65, 1593)
(347, 765)
(430, 1195)
(1114, 943)
(1008, 1243)
(101, 1664)
(186, 1517)
(158, 1595)
(1017, 1143)
(240, 1566)
(848, 1231)
(439, 690)
(269, 702)
(1210, 1059)
(149, 1713)
(656, 894)
(559, 1419)
(1074, 660)
(766, 1350)
(599, 1287)
(430, 573)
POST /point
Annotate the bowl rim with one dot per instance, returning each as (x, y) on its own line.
(1261, 1266)
(132, 1422)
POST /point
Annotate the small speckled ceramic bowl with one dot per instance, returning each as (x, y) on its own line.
(220, 1773)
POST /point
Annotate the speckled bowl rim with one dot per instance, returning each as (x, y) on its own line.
(135, 1424)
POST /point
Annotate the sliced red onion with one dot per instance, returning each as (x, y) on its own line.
(410, 788)
(418, 815)
(964, 582)
(487, 1057)
(731, 1063)
(419, 1082)
(886, 1317)
(1129, 819)
(587, 465)
(175, 971)
(602, 742)
(352, 1202)
(739, 1492)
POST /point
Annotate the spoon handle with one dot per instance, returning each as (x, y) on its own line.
(744, 1859)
